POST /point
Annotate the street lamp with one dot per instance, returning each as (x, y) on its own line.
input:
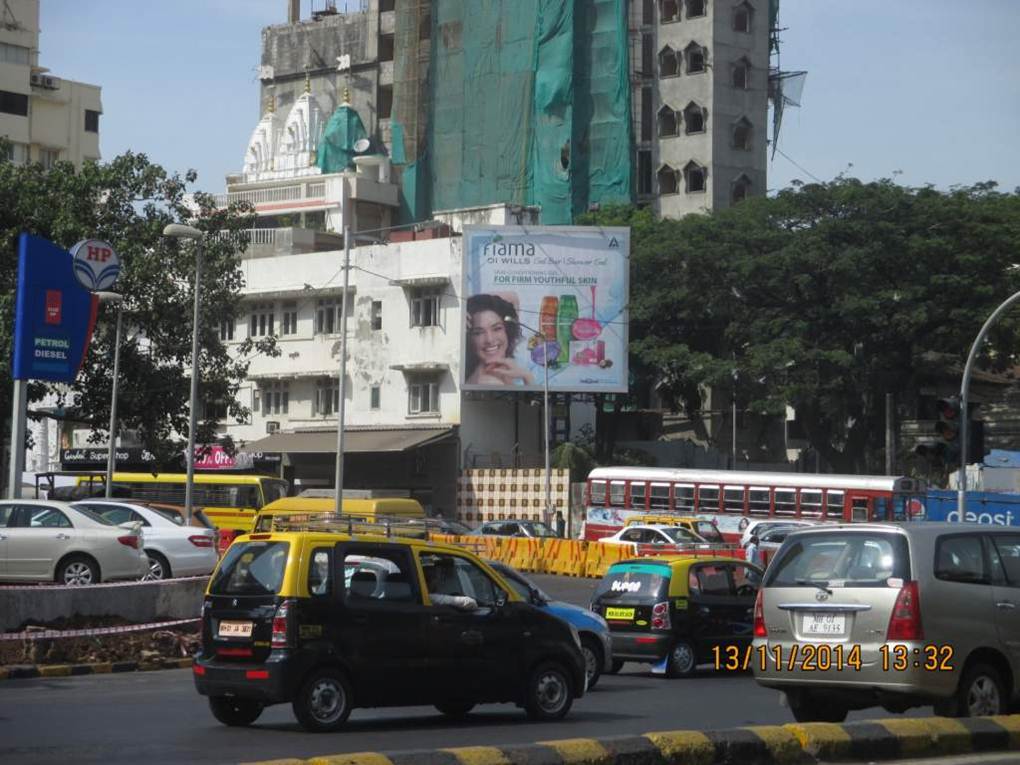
(179, 231)
(547, 515)
(113, 298)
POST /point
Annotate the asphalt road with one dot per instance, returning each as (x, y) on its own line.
(156, 717)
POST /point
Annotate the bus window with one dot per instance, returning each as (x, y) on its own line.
(786, 502)
(273, 490)
(811, 503)
(882, 510)
(683, 497)
(734, 498)
(759, 500)
(660, 496)
(637, 494)
(598, 493)
(834, 503)
(617, 493)
(708, 499)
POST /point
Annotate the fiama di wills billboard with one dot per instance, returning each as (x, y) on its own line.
(543, 300)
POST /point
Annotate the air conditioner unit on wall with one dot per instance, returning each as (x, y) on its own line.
(272, 426)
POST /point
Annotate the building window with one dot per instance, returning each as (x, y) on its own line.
(647, 106)
(385, 104)
(644, 172)
(742, 134)
(742, 74)
(14, 103)
(667, 180)
(214, 410)
(376, 314)
(647, 55)
(261, 322)
(91, 121)
(742, 15)
(667, 122)
(16, 153)
(696, 8)
(49, 157)
(275, 397)
(375, 397)
(669, 10)
(289, 318)
(669, 65)
(423, 397)
(694, 118)
(425, 308)
(327, 396)
(648, 12)
(694, 178)
(327, 316)
(227, 329)
(385, 47)
(697, 58)
(14, 54)
(741, 189)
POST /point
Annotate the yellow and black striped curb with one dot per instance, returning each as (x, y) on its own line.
(68, 670)
(756, 745)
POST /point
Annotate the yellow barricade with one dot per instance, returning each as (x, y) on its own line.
(563, 556)
(526, 554)
(601, 556)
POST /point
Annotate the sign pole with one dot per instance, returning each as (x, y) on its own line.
(110, 455)
(19, 413)
(341, 387)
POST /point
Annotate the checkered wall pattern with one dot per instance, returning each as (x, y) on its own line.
(492, 494)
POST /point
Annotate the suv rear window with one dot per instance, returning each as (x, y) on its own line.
(254, 568)
(642, 580)
(840, 559)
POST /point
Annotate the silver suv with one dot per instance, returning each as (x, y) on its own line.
(891, 615)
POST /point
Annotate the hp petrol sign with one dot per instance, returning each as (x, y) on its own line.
(96, 264)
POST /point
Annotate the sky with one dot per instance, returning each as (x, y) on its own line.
(924, 91)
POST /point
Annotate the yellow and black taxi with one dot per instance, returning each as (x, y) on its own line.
(329, 621)
(676, 612)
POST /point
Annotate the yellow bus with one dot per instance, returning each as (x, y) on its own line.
(231, 500)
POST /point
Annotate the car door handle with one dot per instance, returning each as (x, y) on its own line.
(63, 536)
(1006, 605)
(471, 637)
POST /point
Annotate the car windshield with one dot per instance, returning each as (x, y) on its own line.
(539, 529)
(170, 515)
(708, 531)
(840, 559)
(94, 516)
(454, 527)
(641, 580)
(253, 568)
(680, 535)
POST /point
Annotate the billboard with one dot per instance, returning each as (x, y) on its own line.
(543, 299)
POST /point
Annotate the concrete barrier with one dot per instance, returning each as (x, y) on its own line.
(139, 602)
(757, 745)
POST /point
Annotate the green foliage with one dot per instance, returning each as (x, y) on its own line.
(826, 296)
(127, 202)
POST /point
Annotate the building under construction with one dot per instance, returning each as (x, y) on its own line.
(554, 104)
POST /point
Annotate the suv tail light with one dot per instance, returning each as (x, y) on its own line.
(905, 622)
(759, 615)
(131, 540)
(660, 616)
(281, 622)
(201, 540)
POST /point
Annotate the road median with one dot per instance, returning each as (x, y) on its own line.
(872, 740)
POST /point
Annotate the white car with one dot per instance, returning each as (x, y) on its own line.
(46, 541)
(172, 549)
(655, 534)
(757, 528)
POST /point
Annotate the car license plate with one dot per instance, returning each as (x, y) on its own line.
(235, 629)
(824, 624)
(619, 614)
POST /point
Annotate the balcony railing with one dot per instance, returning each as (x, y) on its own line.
(274, 194)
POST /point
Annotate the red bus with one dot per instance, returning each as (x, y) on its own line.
(728, 497)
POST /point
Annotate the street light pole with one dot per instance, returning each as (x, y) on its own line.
(179, 231)
(342, 388)
(118, 300)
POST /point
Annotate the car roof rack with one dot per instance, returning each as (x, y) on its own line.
(378, 525)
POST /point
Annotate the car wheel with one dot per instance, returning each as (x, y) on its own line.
(979, 694)
(681, 661)
(324, 701)
(159, 567)
(593, 659)
(549, 693)
(235, 712)
(455, 709)
(77, 570)
(616, 666)
(807, 708)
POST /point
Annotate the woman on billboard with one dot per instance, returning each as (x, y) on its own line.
(493, 332)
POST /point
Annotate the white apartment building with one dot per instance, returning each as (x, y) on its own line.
(46, 117)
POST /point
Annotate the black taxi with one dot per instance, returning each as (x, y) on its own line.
(678, 611)
(328, 622)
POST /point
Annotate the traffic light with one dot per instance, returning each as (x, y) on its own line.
(947, 428)
(945, 448)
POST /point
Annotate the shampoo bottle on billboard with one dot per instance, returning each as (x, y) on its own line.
(564, 324)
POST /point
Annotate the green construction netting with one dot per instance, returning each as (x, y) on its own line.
(530, 105)
(336, 148)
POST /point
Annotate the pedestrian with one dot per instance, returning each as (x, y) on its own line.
(751, 551)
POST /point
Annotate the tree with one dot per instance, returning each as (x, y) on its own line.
(825, 297)
(127, 202)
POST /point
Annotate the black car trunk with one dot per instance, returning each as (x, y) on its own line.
(628, 592)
